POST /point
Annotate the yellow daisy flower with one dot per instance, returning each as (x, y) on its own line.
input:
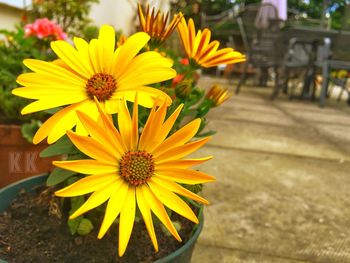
(155, 24)
(129, 170)
(199, 48)
(218, 95)
(91, 70)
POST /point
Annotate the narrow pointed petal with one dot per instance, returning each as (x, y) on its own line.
(87, 185)
(159, 210)
(110, 128)
(125, 123)
(176, 188)
(127, 217)
(87, 166)
(98, 198)
(98, 133)
(135, 125)
(114, 206)
(146, 215)
(185, 176)
(93, 148)
(182, 164)
(180, 137)
(172, 201)
(181, 151)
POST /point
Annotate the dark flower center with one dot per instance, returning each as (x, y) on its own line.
(101, 86)
(136, 167)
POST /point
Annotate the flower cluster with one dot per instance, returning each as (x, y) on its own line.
(43, 28)
(115, 102)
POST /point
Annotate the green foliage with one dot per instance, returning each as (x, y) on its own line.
(13, 50)
(71, 15)
(62, 146)
(28, 129)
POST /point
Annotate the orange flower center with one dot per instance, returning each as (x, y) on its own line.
(101, 86)
(136, 167)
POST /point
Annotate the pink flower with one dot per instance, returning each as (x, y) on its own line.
(44, 28)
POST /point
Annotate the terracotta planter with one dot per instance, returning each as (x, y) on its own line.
(18, 158)
(181, 255)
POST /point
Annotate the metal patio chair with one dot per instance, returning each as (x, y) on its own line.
(261, 40)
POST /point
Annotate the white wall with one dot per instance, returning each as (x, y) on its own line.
(122, 14)
(9, 17)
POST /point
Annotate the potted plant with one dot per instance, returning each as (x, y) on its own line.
(126, 130)
(19, 158)
(31, 39)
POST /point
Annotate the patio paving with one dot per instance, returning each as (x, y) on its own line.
(282, 189)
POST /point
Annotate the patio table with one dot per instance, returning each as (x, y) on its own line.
(337, 55)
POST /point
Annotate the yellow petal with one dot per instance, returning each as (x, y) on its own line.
(127, 217)
(106, 40)
(114, 206)
(98, 133)
(129, 50)
(93, 53)
(179, 137)
(154, 128)
(57, 125)
(87, 166)
(49, 102)
(135, 125)
(149, 76)
(83, 49)
(184, 176)
(183, 164)
(125, 123)
(146, 95)
(70, 56)
(159, 210)
(52, 69)
(98, 197)
(146, 215)
(93, 148)
(87, 185)
(181, 151)
(110, 129)
(167, 126)
(142, 62)
(172, 201)
(176, 188)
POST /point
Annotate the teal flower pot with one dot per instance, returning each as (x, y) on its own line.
(10, 192)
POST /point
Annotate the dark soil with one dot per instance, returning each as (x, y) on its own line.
(34, 229)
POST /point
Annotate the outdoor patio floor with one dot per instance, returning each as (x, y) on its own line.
(283, 181)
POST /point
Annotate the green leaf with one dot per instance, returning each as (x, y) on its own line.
(85, 227)
(73, 224)
(62, 146)
(58, 175)
(28, 129)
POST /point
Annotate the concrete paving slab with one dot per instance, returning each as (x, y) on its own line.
(210, 254)
(271, 138)
(284, 206)
(282, 171)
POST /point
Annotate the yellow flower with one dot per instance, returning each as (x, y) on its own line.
(218, 95)
(155, 24)
(91, 70)
(129, 170)
(199, 48)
